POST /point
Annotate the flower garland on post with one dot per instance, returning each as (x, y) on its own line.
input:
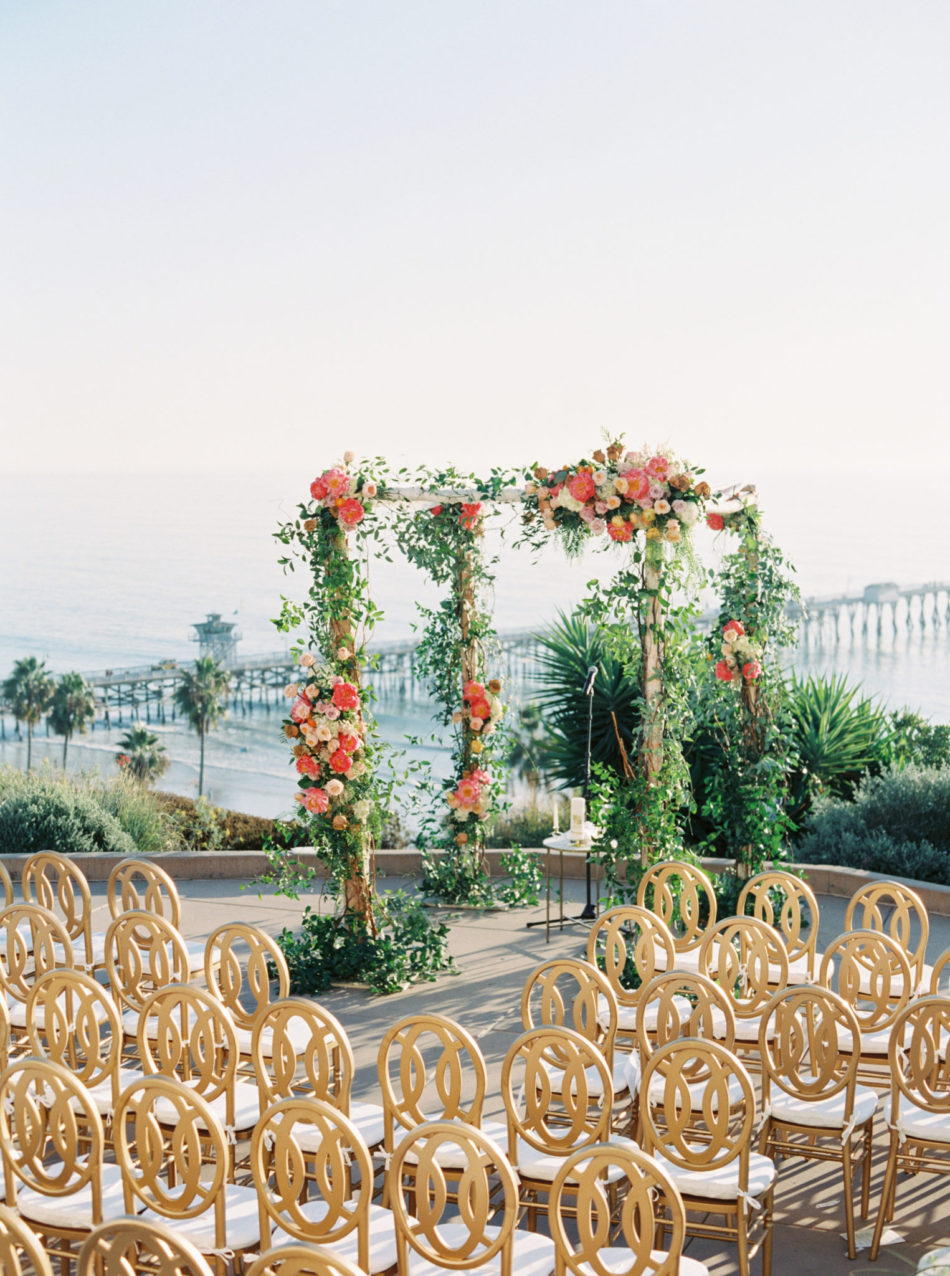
(744, 785)
(649, 500)
(328, 722)
(446, 540)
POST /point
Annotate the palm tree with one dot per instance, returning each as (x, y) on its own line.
(143, 754)
(28, 691)
(73, 708)
(202, 697)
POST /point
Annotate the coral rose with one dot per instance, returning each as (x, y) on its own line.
(581, 486)
(435, 511)
(723, 672)
(469, 515)
(348, 743)
(714, 521)
(340, 761)
(620, 532)
(337, 482)
(350, 512)
(481, 709)
(638, 485)
(308, 765)
(315, 800)
(318, 488)
(345, 696)
(732, 630)
(751, 670)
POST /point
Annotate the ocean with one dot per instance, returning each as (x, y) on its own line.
(112, 571)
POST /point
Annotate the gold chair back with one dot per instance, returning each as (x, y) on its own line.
(185, 1033)
(45, 1110)
(71, 1020)
(940, 976)
(686, 1005)
(21, 1252)
(803, 1056)
(58, 884)
(144, 952)
(870, 972)
(298, 1047)
(745, 957)
(423, 1046)
(593, 1178)
(631, 945)
(142, 885)
(336, 1162)
(549, 1100)
(6, 884)
(899, 912)
(787, 904)
(129, 1245)
(239, 960)
(566, 992)
(172, 1152)
(33, 941)
(919, 1069)
(4, 1033)
(671, 1118)
(302, 1260)
(487, 1196)
(683, 897)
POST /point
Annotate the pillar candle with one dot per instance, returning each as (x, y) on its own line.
(578, 811)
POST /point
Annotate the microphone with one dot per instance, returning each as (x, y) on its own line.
(589, 682)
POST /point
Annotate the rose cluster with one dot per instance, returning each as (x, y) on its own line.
(481, 709)
(739, 655)
(471, 796)
(618, 493)
(326, 722)
(469, 514)
(342, 494)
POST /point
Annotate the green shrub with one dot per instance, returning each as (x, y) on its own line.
(203, 827)
(47, 816)
(898, 823)
(332, 947)
(521, 826)
(150, 827)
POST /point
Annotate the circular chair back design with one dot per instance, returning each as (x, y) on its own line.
(21, 1253)
(144, 952)
(569, 993)
(126, 1246)
(787, 904)
(684, 1004)
(239, 960)
(870, 972)
(72, 1021)
(899, 912)
(423, 1047)
(297, 1047)
(633, 945)
(302, 1260)
(683, 897)
(138, 885)
(744, 955)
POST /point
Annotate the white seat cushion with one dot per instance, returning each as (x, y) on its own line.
(696, 1091)
(627, 1018)
(247, 1107)
(618, 1260)
(593, 1078)
(824, 1114)
(688, 960)
(102, 1092)
(918, 1123)
(382, 1236)
(74, 1210)
(18, 1013)
(299, 1037)
(720, 1184)
(368, 1119)
(532, 1255)
(242, 1223)
(532, 1164)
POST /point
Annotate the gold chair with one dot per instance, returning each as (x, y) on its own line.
(241, 962)
(302, 1260)
(919, 1116)
(143, 885)
(683, 897)
(72, 1021)
(551, 1106)
(184, 1032)
(52, 1142)
(423, 1046)
(789, 905)
(32, 942)
(718, 1174)
(646, 1192)
(481, 1236)
(144, 952)
(811, 1103)
(4, 1033)
(299, 1048)
(870, 972)
(174, 1155)
(631, 945)
(568, 992)
(128, 1245)
(18, 1242)
(899, 912)
(6, 885)
(746, 958)
(57, 883)
(305, 1146)
(940, 976)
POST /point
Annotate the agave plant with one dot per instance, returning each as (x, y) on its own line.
(839, 736)
(568, 649)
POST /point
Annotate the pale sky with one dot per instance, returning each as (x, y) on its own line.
(236, 234)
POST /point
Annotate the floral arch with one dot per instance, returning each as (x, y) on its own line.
(643, 502)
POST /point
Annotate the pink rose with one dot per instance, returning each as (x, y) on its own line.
(657, 467)
(318, 488)
(468, 792)
(308, 765)
(337, 482)
(314, 800)
(638, 485)
(732, 630)
(715, 522)
(345, 696)
(598, 527)
(600, 507)
(581, 486)
(300, 710)
(723, 672)
(369, 490)
(586, 514)
(751, 670)
(473, 691)
(340, 761)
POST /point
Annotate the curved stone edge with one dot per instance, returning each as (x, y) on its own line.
(824, 879)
